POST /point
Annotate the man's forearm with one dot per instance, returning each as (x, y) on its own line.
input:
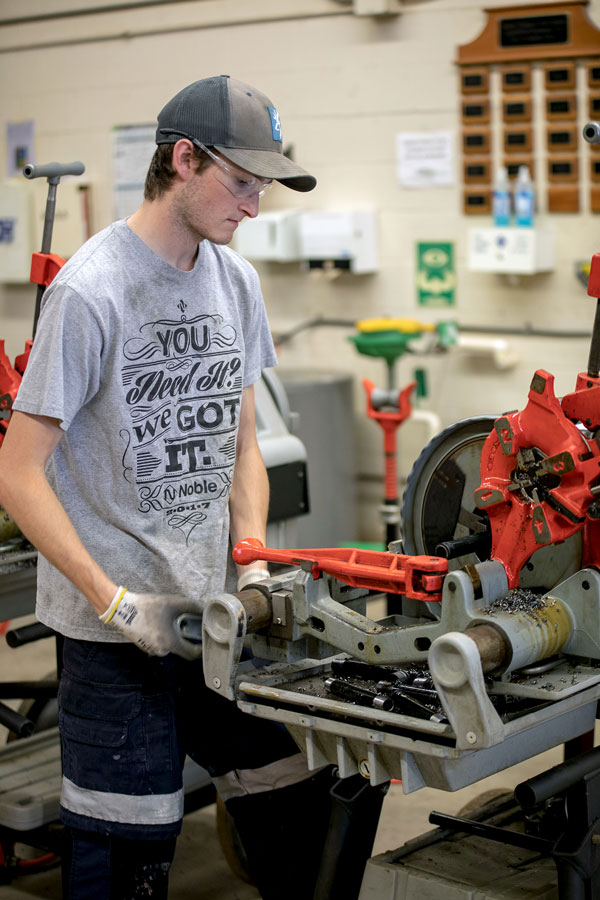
(249, 499)
(29, 499)
(249, 505)
(44, 522)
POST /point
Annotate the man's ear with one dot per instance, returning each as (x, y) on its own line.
(184, 160)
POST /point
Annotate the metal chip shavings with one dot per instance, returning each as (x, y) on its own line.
(516, 600)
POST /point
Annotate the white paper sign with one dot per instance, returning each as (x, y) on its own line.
(133, 148)
(425, 159)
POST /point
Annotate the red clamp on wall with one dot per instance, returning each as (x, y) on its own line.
(594, 279)
(44, 267)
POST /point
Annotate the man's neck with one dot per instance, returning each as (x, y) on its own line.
(154, 225)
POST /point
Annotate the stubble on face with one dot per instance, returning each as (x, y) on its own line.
(204, 209)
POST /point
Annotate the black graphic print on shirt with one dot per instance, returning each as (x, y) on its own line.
(183, 388)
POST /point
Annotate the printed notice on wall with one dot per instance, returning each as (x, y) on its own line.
(19, 144)
(425, 159)
(133, 148)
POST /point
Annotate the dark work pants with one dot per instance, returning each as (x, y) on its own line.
(127, 721)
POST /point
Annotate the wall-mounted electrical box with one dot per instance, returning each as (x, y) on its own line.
(16, 231)
(321, 239)
(510, 251)
(377, 7)
(22, 213)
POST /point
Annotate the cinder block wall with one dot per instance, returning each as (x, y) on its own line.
(345, 86)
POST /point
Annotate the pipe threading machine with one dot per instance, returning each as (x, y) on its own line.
(495, 655)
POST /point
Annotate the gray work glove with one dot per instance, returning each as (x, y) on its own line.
(148, 620)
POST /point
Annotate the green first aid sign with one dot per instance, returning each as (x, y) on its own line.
(435, 275)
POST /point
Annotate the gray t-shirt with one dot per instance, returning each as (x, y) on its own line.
(144, 366)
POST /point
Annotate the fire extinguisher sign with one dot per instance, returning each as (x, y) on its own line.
(435, 274)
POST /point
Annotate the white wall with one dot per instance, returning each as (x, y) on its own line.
(345, 85)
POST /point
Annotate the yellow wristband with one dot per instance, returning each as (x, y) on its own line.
(118, 597)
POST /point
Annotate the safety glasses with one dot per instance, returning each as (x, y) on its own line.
(239, 183)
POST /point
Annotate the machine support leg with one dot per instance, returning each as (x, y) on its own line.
(352, 827)
(575, 847)
(577, 850)
(594, 357)
(578, 745)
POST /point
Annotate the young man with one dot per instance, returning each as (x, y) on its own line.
(130, 461)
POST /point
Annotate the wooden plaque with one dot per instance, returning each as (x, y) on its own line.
(594, 107)
(474, 80)
(514, 163)
(476, 111)
(563, 199)
(563, 168)
(476, 140)
(560, 107)
(561, 138)
(515, 78)
(477, 202)
(536, 31)
(518, 140)
(516, 109)
(559, 76)
(477, 170)
(593, 70)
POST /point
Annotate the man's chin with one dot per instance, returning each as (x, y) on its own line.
(226, 234)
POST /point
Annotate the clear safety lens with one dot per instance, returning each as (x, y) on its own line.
(241, 184)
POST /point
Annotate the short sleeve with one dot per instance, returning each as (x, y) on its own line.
(65, 365)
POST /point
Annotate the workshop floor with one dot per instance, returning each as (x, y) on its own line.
(200, 870)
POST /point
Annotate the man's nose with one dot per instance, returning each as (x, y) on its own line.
(249, 205)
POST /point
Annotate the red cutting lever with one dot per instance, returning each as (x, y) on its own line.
(417, 577)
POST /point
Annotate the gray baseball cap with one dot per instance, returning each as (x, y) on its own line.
(238, 121)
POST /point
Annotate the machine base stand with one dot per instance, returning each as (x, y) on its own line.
(444, 866)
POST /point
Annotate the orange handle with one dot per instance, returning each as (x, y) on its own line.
(418, 577)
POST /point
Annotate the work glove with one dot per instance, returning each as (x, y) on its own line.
(149, 621)
(252, 576)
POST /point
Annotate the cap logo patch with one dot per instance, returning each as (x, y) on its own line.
(275, 124)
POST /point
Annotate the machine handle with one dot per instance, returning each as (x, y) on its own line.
(417, 577)
(53, 170)
(557, 780)
(17, 637)
(14, 721)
